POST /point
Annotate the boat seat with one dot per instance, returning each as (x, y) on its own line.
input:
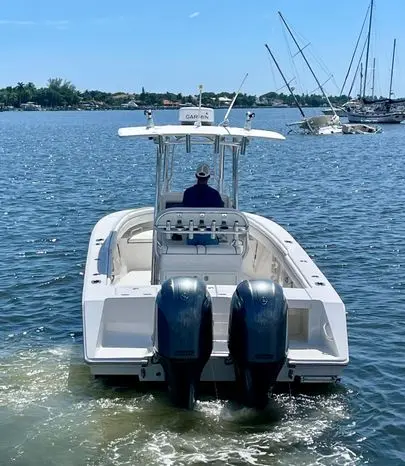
(175, 248)
(204, 262)
(136, 250)
(214, 249)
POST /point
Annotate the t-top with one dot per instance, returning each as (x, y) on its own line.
(202, 195)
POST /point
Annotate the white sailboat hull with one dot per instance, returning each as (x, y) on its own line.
(119, 299)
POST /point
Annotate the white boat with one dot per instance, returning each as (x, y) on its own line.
(319, 125)
(339, 111)
(315, 125)
(360, 128)
(162, 305)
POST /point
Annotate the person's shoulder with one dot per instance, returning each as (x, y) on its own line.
(189, 189)
(215, 192)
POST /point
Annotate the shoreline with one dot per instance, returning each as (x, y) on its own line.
(139, 108)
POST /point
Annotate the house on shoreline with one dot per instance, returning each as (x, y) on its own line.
(30, 106)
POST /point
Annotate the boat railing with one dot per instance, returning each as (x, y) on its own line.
(180, 233)
(187, 223)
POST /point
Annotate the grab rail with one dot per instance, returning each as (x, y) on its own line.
(187, 222)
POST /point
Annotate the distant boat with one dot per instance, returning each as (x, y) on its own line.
(319, 124)
(360, 128)
(376, 111)
(364, 110)
(339, 111)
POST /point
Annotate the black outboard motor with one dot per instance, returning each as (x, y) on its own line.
(183, 335)
(257, 338)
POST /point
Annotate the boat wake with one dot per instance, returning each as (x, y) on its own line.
(53, 408)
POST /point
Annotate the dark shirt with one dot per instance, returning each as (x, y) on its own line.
(202, 195)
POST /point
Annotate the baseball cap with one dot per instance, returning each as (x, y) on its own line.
(203, 171)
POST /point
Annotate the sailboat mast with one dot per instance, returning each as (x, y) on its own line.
(372, 85)
(306, 61)
(286, 82)
(361, 78)
(368, 47)
(392, 67)
(354, 53)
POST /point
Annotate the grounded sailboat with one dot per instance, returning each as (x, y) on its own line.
(309, 125)
(319, 124)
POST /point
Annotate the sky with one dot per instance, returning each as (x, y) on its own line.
(175, 45)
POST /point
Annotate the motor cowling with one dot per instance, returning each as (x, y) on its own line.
(183, 335)
(257, 338)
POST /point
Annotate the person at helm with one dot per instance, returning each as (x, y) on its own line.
(201, 194)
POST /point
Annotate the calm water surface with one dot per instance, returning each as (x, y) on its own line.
(343, 199)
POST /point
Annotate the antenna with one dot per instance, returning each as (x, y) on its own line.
(225, 122)
(198, 122)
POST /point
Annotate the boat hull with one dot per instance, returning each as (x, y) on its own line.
(320, 125)
(360, 128)
(388, 118)
(119, 314)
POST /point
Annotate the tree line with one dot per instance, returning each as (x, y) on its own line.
(60, 93)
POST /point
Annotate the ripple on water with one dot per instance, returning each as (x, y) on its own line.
(341, 197)
(49, 400)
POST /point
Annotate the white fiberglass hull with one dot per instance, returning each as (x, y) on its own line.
(328, 130)
(360, 128)
(320, 125)
(119, 302)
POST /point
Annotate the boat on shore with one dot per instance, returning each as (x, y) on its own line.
(178, 296)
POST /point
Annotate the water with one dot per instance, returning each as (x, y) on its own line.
(342, 197)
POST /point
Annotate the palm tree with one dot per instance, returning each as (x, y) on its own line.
(55, 83)
(20, 91)
(30, 90)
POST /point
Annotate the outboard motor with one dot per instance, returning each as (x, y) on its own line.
(183, 335)
(257, 338)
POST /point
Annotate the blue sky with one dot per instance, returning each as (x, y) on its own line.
(174, 45)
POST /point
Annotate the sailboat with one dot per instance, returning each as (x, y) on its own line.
(309, 125)
(371, 110)
(319, 124)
